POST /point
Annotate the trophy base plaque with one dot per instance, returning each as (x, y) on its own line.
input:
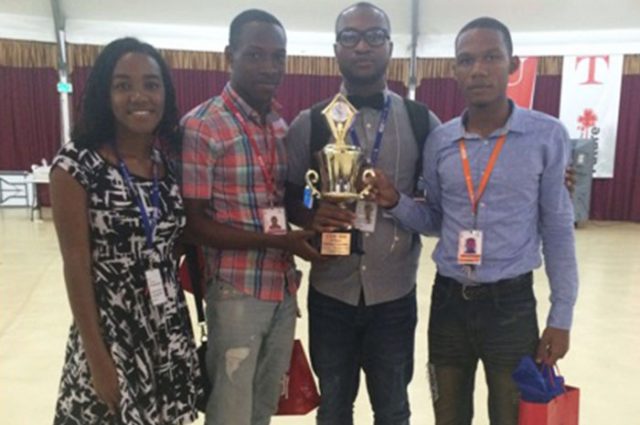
(340, 243)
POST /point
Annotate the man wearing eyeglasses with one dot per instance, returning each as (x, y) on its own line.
(362, 307)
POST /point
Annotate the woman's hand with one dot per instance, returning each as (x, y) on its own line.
(104, 377)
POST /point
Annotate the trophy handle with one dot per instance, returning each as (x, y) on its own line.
(312, 177)
(367, 175)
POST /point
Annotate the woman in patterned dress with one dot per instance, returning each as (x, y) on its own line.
(130, 357)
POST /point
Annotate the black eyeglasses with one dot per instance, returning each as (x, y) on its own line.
(375, 37)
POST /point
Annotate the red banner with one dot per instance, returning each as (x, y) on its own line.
(522, 83)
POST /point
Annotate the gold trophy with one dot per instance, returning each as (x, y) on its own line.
(341, 171)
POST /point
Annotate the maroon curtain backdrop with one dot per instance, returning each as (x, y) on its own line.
(79, 79)
(442, 96)
(617, 198)
(547, 94)
(299, 92)
(30, 116)
(193, 87)
(30, 128)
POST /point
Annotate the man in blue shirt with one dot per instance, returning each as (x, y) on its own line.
(494, 175)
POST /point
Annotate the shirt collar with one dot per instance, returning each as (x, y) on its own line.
(515, 123)
(246, 110)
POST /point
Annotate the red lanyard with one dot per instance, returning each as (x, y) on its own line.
(474, 197)
(267, 169)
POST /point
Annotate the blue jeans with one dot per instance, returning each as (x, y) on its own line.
(378, 339)
(248, 352)
(495, 324)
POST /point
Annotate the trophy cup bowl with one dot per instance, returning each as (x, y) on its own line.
(341, 170)
(340, 174)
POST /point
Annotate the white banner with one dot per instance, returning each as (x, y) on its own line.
(590, 102)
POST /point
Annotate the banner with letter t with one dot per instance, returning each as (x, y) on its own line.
(522, 83)
(590, 103)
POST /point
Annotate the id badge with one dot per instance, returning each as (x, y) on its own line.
(155, 284)
(470, 247)
(366, 214)
(274, 221)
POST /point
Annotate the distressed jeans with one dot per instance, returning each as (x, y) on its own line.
(378, 339)
(495, 324)
(248, 352)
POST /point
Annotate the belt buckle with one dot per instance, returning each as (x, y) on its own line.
(465, 296)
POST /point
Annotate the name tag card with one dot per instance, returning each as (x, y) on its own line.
(155, 284)
(274, 221)
(470, 247)
(366, 214)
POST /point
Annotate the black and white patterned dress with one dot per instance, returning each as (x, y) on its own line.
(152, 347)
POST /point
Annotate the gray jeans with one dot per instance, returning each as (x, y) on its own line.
(248, 352)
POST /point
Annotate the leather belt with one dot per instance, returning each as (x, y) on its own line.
(485, 290)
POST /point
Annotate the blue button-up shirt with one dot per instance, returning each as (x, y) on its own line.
(525, 205)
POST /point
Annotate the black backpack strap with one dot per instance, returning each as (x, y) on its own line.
(420, 120)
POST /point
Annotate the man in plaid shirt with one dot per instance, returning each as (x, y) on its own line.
(233, 174)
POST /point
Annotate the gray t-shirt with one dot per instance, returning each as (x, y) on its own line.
(387, 270)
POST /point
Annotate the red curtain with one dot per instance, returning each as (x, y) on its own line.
(194, 87)
(442, 96)
(30, 116)
(30, 130)
(547, 94)
(299, 92)
(78, 79)
(617, 198)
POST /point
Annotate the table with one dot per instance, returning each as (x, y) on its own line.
(39, 175)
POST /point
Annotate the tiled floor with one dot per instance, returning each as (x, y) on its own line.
(604, 360)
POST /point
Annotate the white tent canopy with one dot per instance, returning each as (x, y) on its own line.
(539, 27)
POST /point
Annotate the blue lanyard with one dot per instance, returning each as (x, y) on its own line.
(149, 222)
(375, 152)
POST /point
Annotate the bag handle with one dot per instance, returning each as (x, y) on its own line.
(191, 257)
(550, 372)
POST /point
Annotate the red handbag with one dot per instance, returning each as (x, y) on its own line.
(561, 410)
(299, 392)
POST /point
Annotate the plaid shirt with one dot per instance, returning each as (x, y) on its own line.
(218, 165)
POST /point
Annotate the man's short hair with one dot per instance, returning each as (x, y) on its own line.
(363, 4)
(492, 24)
(248, 16)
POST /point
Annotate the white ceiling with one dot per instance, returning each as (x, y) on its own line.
(541, 26)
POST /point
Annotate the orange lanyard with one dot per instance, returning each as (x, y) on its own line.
(474, 196)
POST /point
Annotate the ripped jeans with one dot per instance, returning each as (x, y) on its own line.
(248, 352)
(495, 324)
